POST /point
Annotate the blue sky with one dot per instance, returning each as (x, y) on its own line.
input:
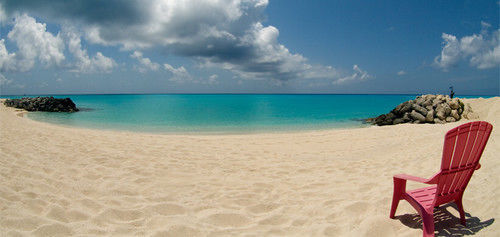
(249, 46)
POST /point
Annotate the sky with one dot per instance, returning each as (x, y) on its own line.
(249, 46)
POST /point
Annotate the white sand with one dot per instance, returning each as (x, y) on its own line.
(71, 181)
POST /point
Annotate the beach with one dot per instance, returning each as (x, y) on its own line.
(60, 180)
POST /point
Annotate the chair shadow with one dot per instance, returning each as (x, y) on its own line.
(447, 224)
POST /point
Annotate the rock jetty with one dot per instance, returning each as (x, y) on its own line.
(425, 109)
(48, 104)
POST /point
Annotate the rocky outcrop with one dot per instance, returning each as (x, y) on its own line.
(425, 109)
(48, 104)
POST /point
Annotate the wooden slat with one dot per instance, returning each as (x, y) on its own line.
(449, 146)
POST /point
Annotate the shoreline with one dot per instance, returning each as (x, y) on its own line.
(23, 113)
(74, 181)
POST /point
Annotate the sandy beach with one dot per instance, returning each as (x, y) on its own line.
(60, 181)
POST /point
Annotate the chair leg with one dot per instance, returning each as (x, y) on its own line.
(428, 223)
(399, 189)
(461, 210)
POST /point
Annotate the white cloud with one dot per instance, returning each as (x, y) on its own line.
(271, 60)
(224, 33)
(146, 63)
(7, 60)
(34, 42)
(358, 75)
(481, 50)
(212, 80)
(179, 74)
(4, 81)
(83, 63)
(402, 72)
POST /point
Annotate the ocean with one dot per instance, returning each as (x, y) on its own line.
(221, 113)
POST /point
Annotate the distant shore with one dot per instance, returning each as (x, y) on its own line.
(59, 180)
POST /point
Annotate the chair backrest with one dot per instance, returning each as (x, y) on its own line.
(463, 147)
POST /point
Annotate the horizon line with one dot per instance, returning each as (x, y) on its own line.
(69, 94)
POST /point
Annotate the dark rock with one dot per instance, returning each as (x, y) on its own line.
(406, 117)
(417, 116)
(419, 109)
(437, 120)
(430, 116)
(402, 108)
(450, 119)
(424, 109)
(455, 115)
(397, 121)
(48, 104)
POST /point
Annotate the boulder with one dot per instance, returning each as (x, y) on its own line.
(440, 114)
(402, 108)
(417, 116)
(406, 117)
(450, 119)
(437, 120)
(443, 110)
(454, 104)
(48, 104)
(397, 121)
(427, 102)
(426, 109)
(420, 109)
(455, 115)
(430, 116)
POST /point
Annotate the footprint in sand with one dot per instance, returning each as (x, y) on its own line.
(120, 215)
(59, 214)
(92, 205)
(331, 231)
(228, 220)
(244, 202)
(179, 231)
(53, 230)
(299, 222)
(331, 218)
(23, 224)
(263, 208)
(357, 207)
(37, 206)
(168, 209)
(274, 220)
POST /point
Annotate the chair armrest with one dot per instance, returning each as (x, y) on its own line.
(413, 178)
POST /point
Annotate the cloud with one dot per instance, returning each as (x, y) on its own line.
(83, 63)
(227, 34)
(358, 75)
(179, 74)
(7, 60)
(402, 72)
(212, 80)
(4, 81)
(33, 43)
(145, 63)
(481, 50)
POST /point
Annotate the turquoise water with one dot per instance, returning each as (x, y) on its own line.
(226, 113)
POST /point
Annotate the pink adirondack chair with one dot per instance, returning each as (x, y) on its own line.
(463, 147)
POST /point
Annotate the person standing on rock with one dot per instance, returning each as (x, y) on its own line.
(452, 93)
